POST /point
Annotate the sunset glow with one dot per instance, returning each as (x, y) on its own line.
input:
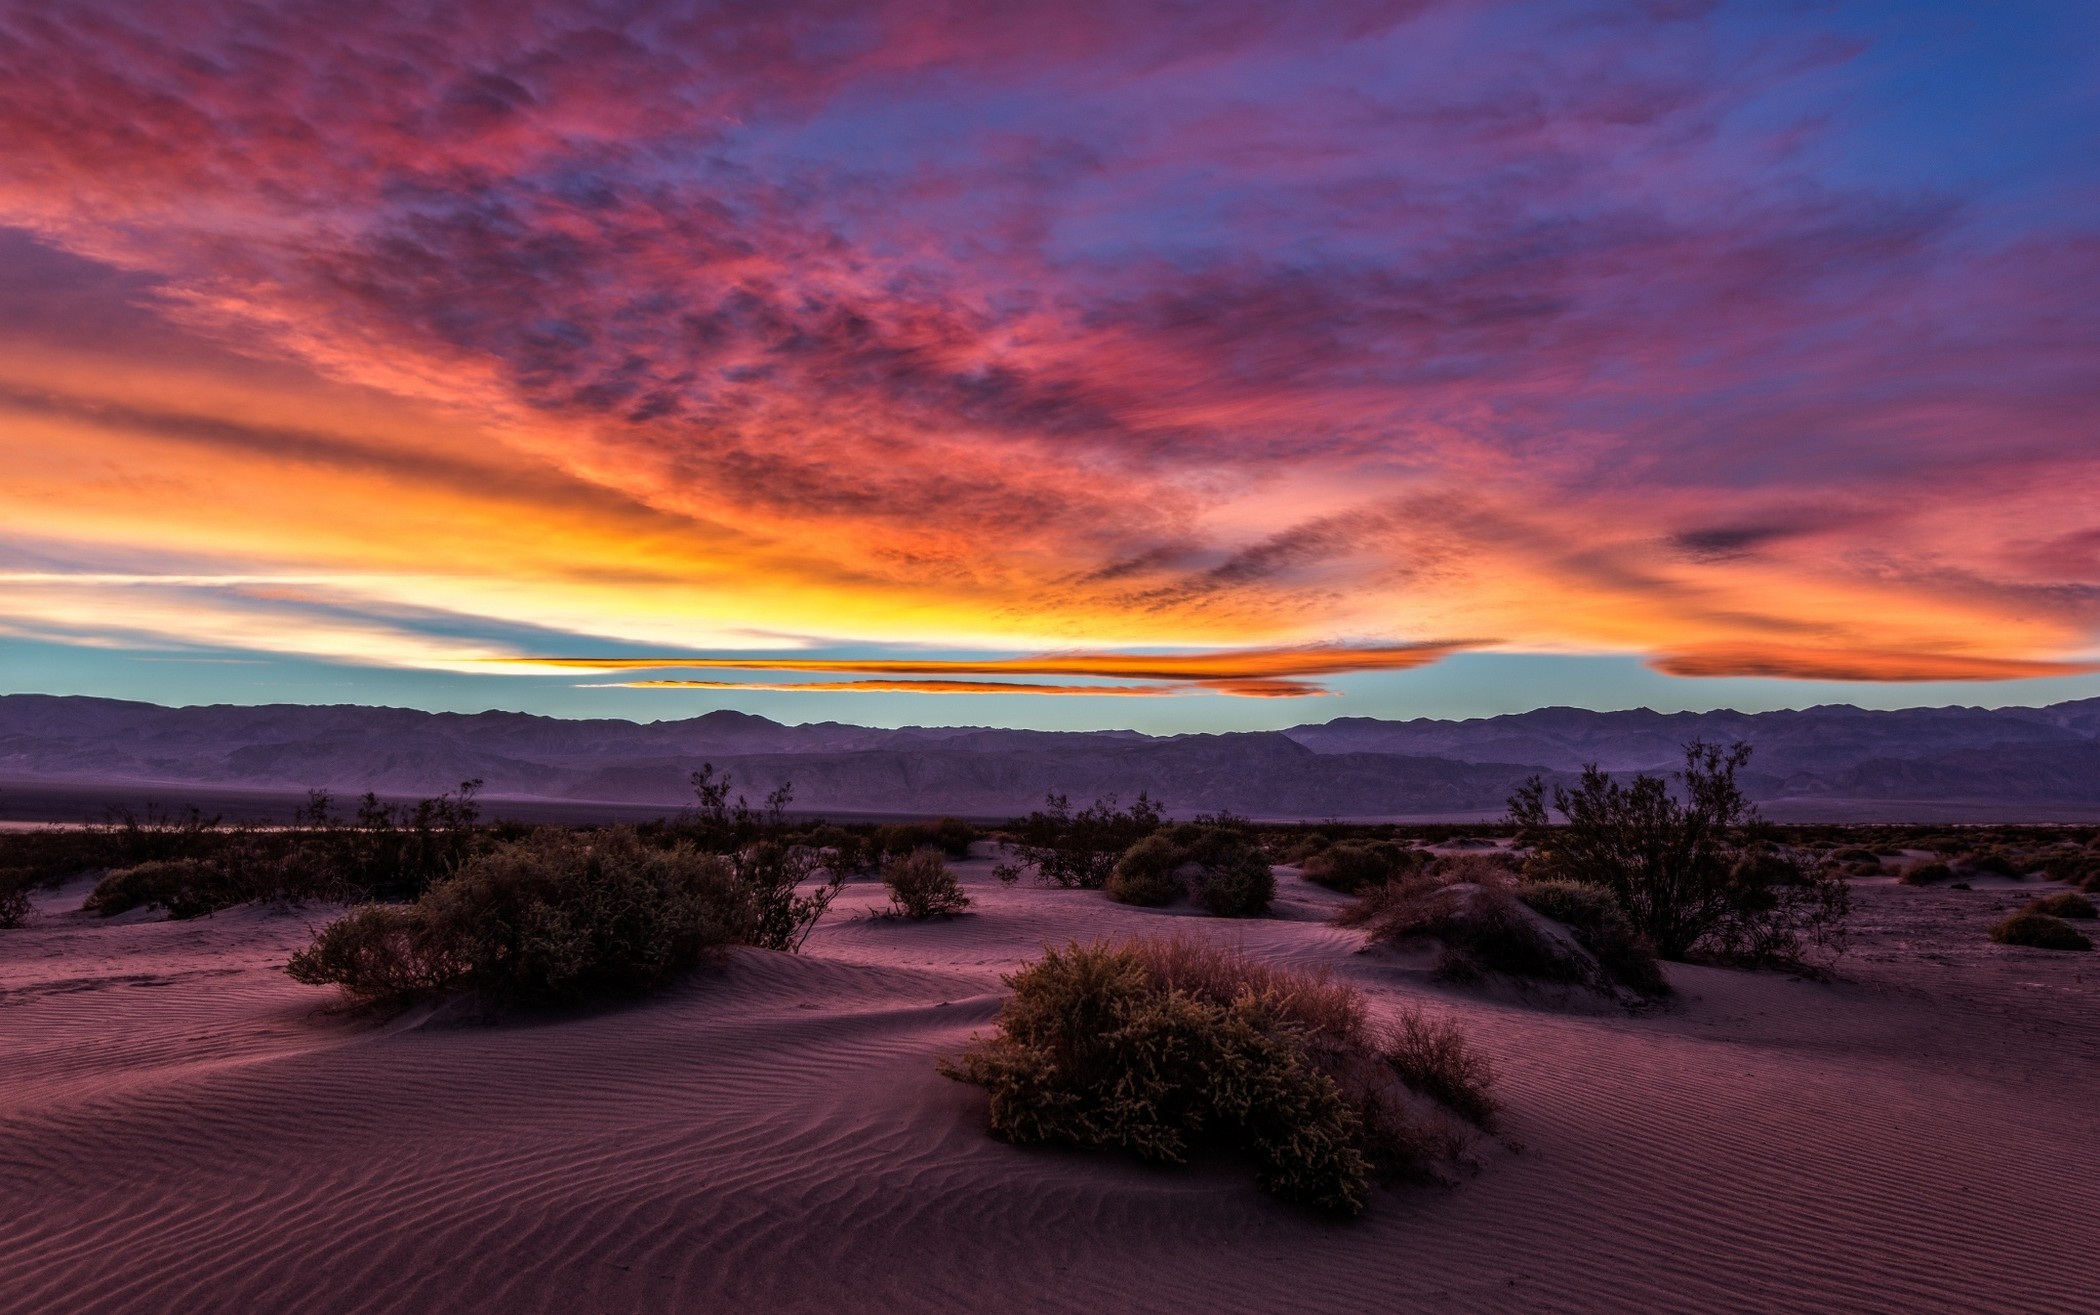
(1218, 349)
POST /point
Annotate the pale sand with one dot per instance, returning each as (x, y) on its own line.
(182, 1129)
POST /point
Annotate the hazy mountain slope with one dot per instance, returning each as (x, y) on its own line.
(1350, 767)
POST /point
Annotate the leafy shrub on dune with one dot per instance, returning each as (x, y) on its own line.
(1216, 864)
(2068, 904)
(2039, 931)
(552, 919)
(1593, 914)
(1159, 1047)
(1350, 866)
(1685, 864)
(1481, 929)
(14, 897)
(192, 887)
(1432, 1056)
(1926, 874)
(1078, 850)
(1145, 875)
(921, 886)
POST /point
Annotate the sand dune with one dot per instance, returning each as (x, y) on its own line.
(185, 1129)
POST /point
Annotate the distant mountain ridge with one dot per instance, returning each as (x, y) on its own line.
(1832, 760)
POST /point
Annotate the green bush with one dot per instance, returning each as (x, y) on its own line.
(1219, 866)
(1686, 865)
(921, 886)
(381, 953)
(1593, 914)
(2069, 904)
(1146, 874)
(2039, 931)
(1926, 874)
(1481, 931)
(1160, 1047)
(552, 919)
(1078, 850)
(1350, 866)
(193, 887)
(1432, 1056)
(14, 897)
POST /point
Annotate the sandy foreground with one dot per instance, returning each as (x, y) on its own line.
(184, 1129)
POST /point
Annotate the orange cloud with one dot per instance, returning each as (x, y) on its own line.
(1233, 666)
(1263, 689)
(1859, 664)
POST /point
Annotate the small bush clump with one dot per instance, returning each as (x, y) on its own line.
(1158, 1047)
(14, 898)
(1926, 874)
(1078, 850)
(1481, 929)
(1147, 874)
(2039, 931)
(1593, 914)
(553, 919)
(2068, 904)
(1432, 1056)
(1350, 866)
(1217, 865)
(922, 886)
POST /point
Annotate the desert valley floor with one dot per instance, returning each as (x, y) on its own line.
(183, 1128)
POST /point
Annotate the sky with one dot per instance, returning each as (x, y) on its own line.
(1184, 366)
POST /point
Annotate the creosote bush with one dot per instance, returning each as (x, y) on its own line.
(922, 886)
(2039, 931)
(1078, 850)
(1926, 874)
(1157, 1047)
(2068, 904)
(1593, 914)
(1349, 866)
(1481, 929)
(553, 919)
(1214, 862)
(1686, 866)
(14, 898)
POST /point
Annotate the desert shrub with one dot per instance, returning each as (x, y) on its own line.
(1989, 862)
(555, 918)
(1216, 863)
(1298, 848)
(921, 886)
(1350, 866)
(1234, 883)
(1687, 871)
(1079, 849)
(1157, 1048)
(2073, 866)
(780, 914)
(1146, 873)
(841, 852)
(1926, 874)
(1481, 929)
(950, 835)
(2039, 931)
(1855, 854)
(193, 887)
(14, 897)
(2091, 885)
(2068, 904)
(380, 952)
(1432, 1056)
(1593, 914)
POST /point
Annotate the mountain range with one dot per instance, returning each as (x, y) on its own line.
(1823, 763)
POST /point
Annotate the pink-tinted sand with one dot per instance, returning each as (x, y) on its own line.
(184, 1129)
